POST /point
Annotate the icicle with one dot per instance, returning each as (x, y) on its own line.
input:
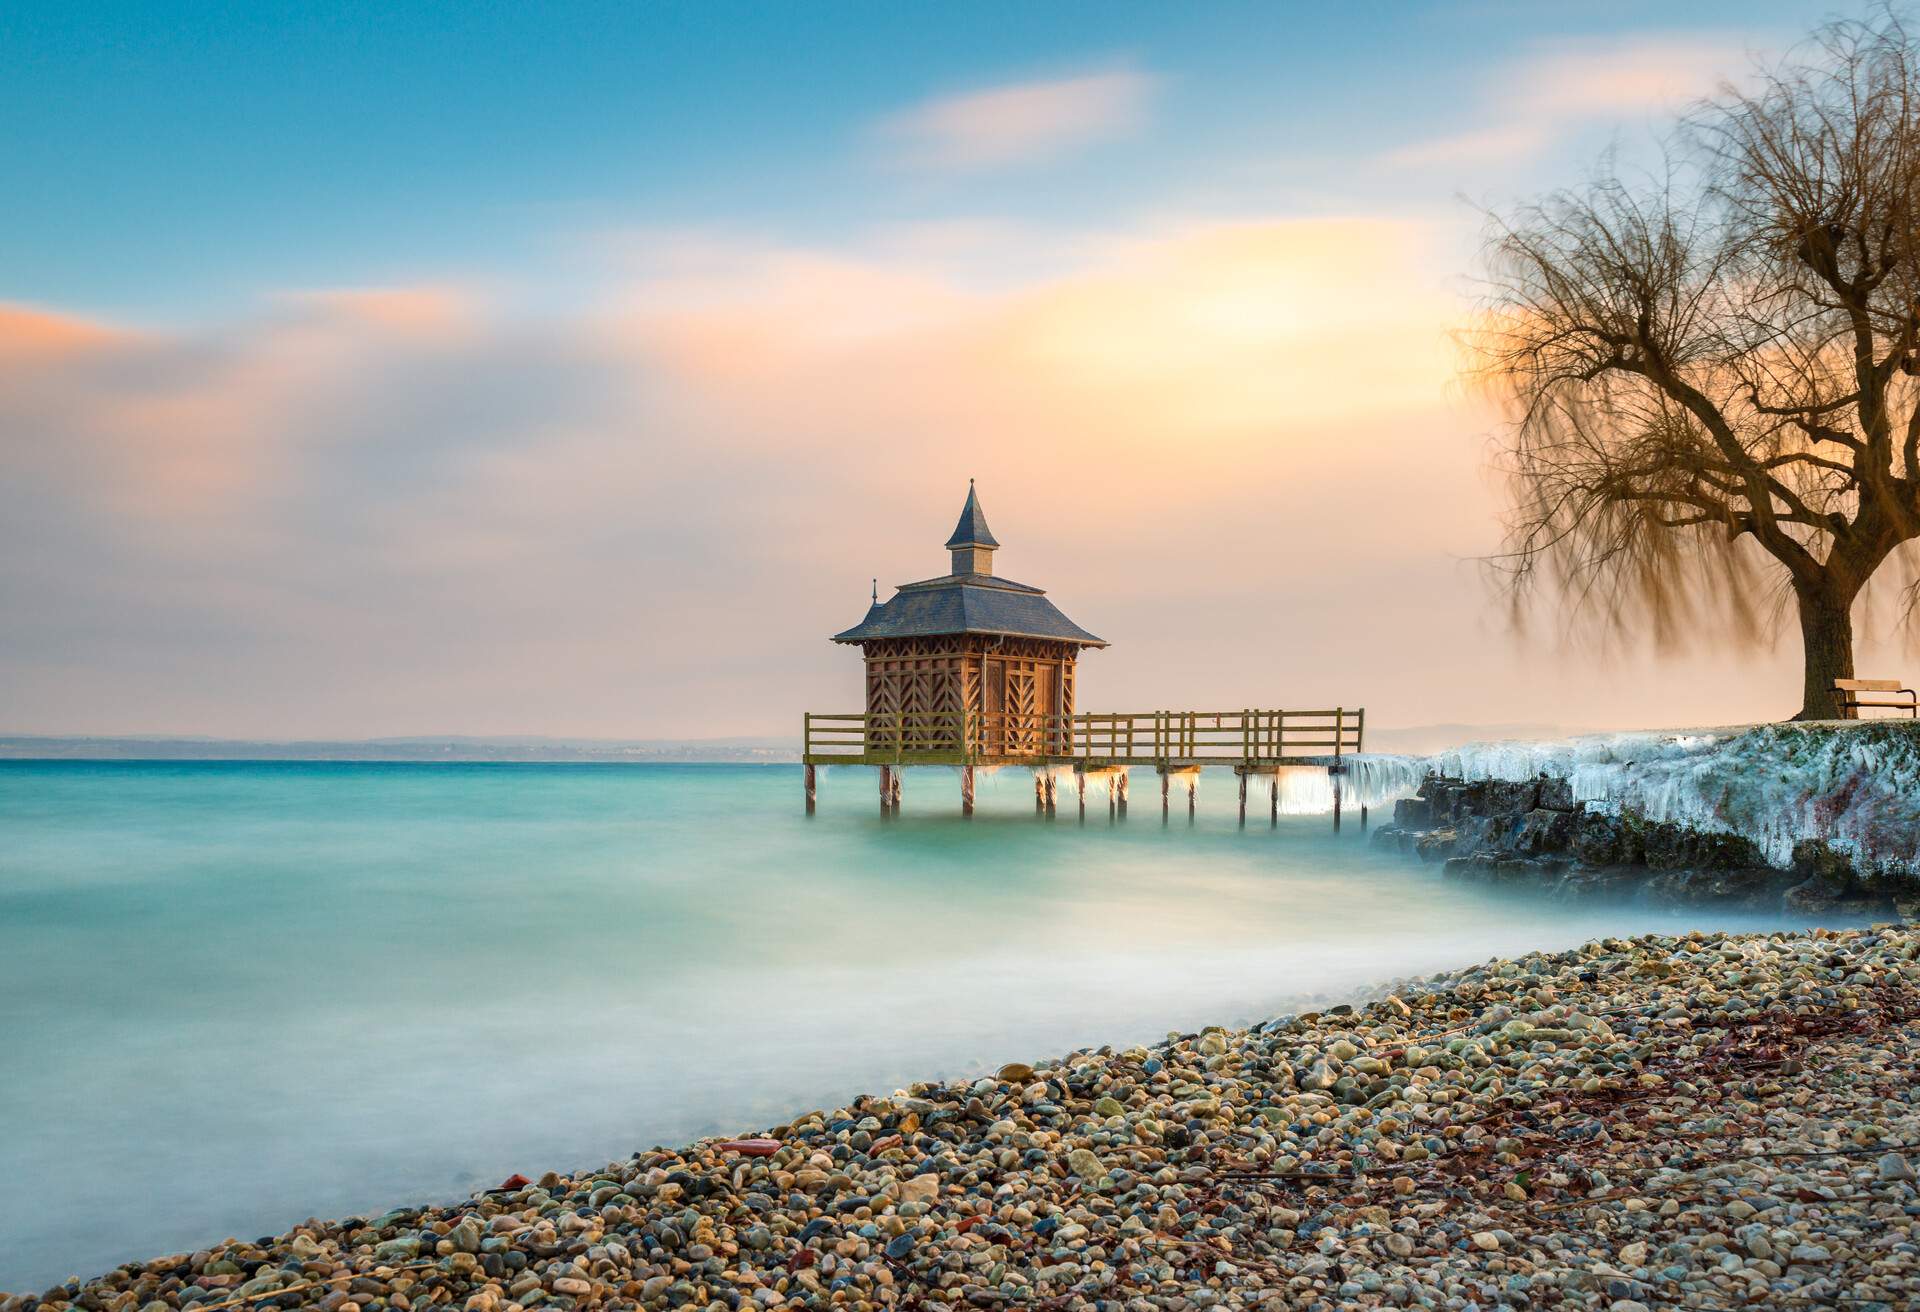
(1372, 779)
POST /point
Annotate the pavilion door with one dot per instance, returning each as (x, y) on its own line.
(1046, 705)
(993, 706)
(1022, 719)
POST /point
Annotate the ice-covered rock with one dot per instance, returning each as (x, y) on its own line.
(1855, 786)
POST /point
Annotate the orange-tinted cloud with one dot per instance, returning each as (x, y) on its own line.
(196, 432)
(1216, 342)
(645, 520)
(29, 333)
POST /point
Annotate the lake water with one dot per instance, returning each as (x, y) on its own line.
(233, 996)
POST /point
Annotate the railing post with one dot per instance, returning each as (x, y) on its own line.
(1338, 770)
(806, 753)
(1360, 746)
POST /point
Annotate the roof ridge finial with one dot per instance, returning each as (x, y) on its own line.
(876, 590)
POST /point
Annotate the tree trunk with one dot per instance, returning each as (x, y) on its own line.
(1826, 631)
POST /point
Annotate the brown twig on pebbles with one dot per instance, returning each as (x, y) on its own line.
(265, 1294)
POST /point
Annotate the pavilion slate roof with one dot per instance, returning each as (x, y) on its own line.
(968, 603)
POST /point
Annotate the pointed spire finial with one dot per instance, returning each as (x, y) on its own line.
(876, 591)
(972, 529)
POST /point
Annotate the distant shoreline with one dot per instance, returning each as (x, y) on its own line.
(536, 749)
(422, 751)
(6, 760)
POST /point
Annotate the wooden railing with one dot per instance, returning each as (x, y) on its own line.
(1149, 737)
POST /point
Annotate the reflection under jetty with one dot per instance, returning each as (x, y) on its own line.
(1326, 784)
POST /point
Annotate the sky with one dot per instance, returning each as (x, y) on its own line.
(506, 369)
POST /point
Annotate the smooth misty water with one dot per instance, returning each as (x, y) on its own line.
(233, 996)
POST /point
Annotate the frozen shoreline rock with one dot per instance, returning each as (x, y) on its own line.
(1527, 835)
(1854, 785)
(1628, 817)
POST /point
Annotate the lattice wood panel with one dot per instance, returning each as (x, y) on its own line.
(1011, 691)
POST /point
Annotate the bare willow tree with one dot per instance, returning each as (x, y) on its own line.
(1712, 371)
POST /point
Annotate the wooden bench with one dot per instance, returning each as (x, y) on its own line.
(1851, 701)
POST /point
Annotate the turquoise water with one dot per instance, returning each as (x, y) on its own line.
(233, 996)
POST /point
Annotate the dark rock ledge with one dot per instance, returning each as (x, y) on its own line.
(1533, 833)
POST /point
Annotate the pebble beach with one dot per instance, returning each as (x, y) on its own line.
(1702, 1120)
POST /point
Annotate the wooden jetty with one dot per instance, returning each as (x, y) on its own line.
(972, 670)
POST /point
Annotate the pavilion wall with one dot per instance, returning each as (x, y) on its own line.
(1019, 691)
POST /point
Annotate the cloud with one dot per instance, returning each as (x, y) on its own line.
(1531, 101)
(1209, 336)
(326, 522)
(30, 333)
(1018, 122)
(1482, 146)
(644, 519)
(1625, 77)
(430, 310)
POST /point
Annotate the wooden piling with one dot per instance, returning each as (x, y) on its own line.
(1193, 792)
(893, 793)
(966, 790)
(1053, 793)
(810, 789)
(1039, 794)
(1080, 790)
(1123, 794)
(1243, 797)
(1273, 800)
(1336, 772)
(886, 789)
(1165, 779)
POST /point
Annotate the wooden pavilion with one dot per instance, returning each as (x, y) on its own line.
(972, 669)
(970, 664)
